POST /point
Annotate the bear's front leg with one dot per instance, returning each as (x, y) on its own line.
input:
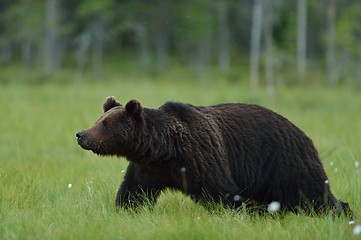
(125, 196)
(130, 195)
(136, 189)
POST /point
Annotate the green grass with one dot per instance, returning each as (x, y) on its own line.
(39, 157)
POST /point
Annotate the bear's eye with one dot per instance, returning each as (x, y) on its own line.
(104, 125)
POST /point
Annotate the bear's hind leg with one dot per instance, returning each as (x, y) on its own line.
(341, 208)
(329, 204)
(347, 210)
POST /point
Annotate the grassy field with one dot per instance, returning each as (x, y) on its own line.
(39, 158)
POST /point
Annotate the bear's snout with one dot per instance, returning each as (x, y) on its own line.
(83, 140)
(79, 136)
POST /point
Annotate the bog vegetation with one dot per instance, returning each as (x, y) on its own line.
(52, 189)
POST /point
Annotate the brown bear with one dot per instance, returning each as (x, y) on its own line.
(229, 153)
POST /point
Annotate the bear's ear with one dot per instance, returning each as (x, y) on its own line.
(134, 108)
(109, 103)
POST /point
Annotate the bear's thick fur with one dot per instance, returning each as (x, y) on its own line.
(228, 152)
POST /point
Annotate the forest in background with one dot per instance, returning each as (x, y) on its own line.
(298, 40)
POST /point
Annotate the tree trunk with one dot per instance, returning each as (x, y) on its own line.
(143, 48)
(6, 52)
(301, 39)
(26, 51)
(83, 44)
(359, 71)
(223, 57)
(268, 26)
(331, 18)
(255, 45)
(161, 46)
(204, 54)
(50, 47)
(98, 30)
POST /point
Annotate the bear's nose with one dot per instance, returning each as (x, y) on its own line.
(79, 136)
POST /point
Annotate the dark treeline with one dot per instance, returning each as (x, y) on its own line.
(298, 38)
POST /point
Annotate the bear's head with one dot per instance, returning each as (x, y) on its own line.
(117, 131)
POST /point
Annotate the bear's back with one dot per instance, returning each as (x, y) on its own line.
(250, 137)
(231, 117)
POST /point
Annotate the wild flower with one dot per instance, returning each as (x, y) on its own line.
(70, 185)
(274, 207)
(356, 230)
(237, 198)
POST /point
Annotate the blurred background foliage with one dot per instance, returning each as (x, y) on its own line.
(261, 41)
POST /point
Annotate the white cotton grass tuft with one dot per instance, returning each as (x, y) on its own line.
(357, 164)
(237, 198)
(274, 207)
(70, 185)
(356, 230)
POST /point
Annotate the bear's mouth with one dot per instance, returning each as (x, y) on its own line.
(87, 144)
(84, 144)
(96, 148)
(99, 150)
